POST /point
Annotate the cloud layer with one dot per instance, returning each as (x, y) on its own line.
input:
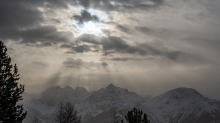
(138, 43)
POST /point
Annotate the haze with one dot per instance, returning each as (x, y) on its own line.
(146, 46)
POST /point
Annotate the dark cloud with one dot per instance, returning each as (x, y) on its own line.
(118, 45)
(44, 34)
(70, 52)
(73, 63)
(121, 5)
(66, 45)
(22, 13)
(40, 44)
(79, 63)
(15, 14)
(124, 29)
(104, 64)
(174, 55)
(128, 59)
(113, 43)
(21, 19)
(85, 17)
(55, 21)
(76, 48)
(143, 29)
(81, 48)
(40, 63)
(110, 45)
(89, 38)
(45, 44)
(48, 33)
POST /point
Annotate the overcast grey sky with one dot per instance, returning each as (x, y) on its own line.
(147, 46)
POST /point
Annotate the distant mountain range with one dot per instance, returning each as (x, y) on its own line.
(181, 105)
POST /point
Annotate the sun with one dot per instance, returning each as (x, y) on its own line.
(91, 28)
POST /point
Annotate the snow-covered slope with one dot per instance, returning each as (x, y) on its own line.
(181, 105)
(110, 99)
(184, 105)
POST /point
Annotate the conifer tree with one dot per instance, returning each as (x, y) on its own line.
(70, 114)
(67, 114)
(60, 115)
(136, 116)
(10, 90)
(146, 119)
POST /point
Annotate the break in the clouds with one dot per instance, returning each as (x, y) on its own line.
(132, 43)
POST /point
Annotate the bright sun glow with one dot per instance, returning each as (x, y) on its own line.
(91, 28)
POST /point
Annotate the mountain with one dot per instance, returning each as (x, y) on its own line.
(184, 105)
(181, 105)
(55, 94)
(108, 101)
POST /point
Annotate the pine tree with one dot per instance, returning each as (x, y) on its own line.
(60, 115)
(67, 114)
(136, 116)
(10, 90)
(70, 114)
(146, 119)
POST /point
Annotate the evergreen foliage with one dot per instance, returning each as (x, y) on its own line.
(60, 115)
(136, 116)
(67, 113)
(10, 90)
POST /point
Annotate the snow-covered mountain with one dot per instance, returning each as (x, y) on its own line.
(181, 105)
(184, 105)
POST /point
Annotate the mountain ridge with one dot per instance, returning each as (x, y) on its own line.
(178, 105)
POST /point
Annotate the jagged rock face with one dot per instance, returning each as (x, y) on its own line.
(181, 105)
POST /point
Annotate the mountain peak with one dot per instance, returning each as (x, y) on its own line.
(110, 86)
(57, 86)
(68, 88)
(80, 88)
(185, 91)
(81, 92)
(178, 94)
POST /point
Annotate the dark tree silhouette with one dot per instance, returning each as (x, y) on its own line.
(136, 116)
(60, 115)
(70, 114)
(122, 121)
(10, 90)
(67, 114)
(146, 119)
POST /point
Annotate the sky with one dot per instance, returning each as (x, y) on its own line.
(146, 46)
